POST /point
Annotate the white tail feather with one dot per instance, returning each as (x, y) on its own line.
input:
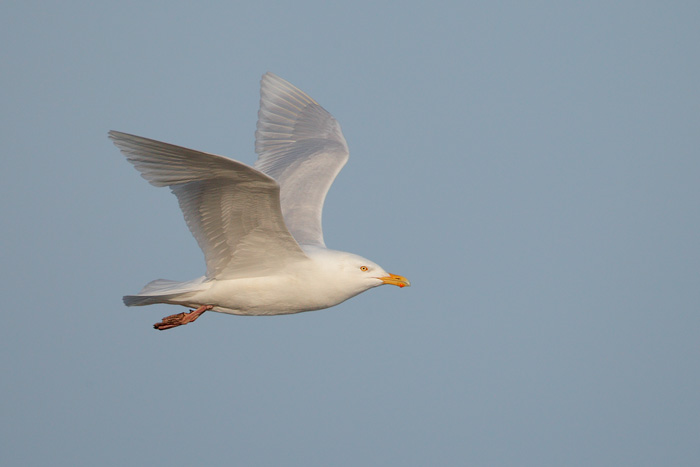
(163, 291)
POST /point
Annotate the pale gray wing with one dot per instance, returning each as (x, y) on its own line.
(301, 146)
(231, 209)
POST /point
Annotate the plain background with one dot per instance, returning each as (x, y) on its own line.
(531, 167)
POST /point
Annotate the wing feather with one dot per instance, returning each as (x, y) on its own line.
(301, 146)
(231, 209)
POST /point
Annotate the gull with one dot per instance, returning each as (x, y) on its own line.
(259, 227)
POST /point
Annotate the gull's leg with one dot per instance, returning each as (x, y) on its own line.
(179, 319)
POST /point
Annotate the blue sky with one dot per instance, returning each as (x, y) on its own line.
(531, 168)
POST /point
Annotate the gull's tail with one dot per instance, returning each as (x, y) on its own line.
(164, 291)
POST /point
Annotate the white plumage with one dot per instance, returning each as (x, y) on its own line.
(259, 228)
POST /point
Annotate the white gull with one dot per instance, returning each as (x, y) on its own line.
(259, 228)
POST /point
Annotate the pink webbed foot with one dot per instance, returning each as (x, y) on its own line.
(179, 319)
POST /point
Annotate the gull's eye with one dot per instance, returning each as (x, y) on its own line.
(364, 268)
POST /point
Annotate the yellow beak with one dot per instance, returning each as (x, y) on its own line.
(393, 279)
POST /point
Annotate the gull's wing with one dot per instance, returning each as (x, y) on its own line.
(232, 209)
(301, 146)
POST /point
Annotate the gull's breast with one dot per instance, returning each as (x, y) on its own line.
(271, 295)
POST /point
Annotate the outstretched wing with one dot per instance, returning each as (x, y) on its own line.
(231, 209)
(301, 146)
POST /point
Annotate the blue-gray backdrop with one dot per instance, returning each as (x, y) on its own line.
(532, 167)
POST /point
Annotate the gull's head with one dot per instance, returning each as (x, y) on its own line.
(353, 272)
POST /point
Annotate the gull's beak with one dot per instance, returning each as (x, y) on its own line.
(393, 279)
